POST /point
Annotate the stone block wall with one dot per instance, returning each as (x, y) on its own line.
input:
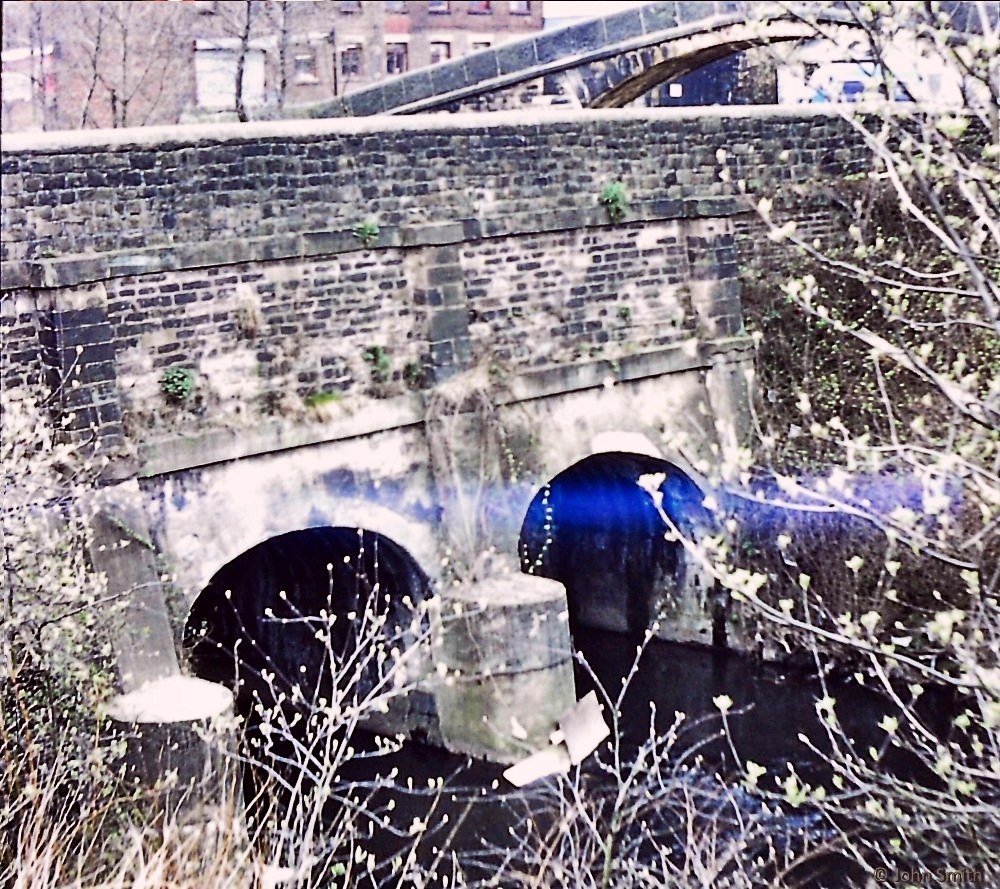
(199, 195)
(262, 338)
(229, 250)
(578, 294)
(21, 322)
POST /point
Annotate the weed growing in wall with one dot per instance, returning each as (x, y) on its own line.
(614, 198)
(413, 375)
(366, 232)
(377, 359)
(177, 383)
(320, 399)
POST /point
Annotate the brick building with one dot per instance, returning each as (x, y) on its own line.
(100, 63)
(420, 34)
(314, 50)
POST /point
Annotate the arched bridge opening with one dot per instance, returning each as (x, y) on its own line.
(609, 529)
(310, 617)
(622, 79)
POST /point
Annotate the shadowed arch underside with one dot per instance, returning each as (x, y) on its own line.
(596, 528)
(285, 616)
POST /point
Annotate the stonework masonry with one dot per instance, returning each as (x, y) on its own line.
(326, 369)
(230, 251)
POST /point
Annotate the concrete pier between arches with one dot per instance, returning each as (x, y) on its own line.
(504, 667)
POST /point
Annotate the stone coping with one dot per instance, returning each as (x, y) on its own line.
(223, 445)
(194, 135)
(76, 269)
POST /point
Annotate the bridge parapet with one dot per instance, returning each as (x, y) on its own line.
(231, 252)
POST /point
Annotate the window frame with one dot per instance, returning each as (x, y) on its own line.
(355, 53)
(447, 51)
(309, 54)
(397, 50)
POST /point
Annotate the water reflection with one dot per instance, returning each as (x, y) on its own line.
(470, 820)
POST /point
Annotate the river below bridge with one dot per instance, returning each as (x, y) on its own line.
(477, 822)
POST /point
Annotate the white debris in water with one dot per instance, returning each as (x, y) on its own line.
(581, 729)
(548, 761)
(174, 699)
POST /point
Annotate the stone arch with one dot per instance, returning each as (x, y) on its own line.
(623, 78)
(297, 605)
(206, 518)
(606, 62)
(238, 535)
(667, 415)
(597, 528)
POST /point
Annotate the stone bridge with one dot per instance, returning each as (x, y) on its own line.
(606, 62)
(405, 325)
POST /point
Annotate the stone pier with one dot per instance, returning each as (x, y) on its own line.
(504, 666)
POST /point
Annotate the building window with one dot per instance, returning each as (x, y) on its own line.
(395, 7)
(395, 58)
(304, 67)
(215, 67)
(440, 51)
(350, 7)
(480, 44)
(519, 7)
(351, 61)
(439, 6)
(480, 7)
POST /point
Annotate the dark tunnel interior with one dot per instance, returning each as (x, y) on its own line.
(595, 530)
(268, 606)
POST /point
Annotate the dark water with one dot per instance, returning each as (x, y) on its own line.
(462, 812)
(770, 709)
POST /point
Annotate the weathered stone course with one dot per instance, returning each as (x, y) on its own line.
(271, 183)
(231, 252)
